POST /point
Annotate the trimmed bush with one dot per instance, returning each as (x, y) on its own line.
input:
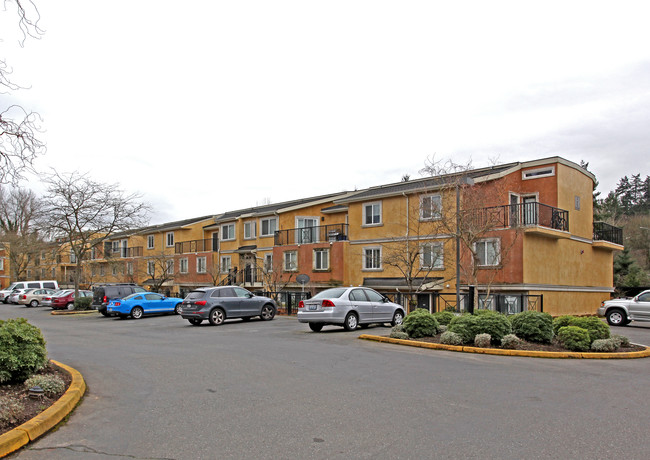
(466, 326)
(495, 324)
(605, 345)
(561, 321)
(22, 350)
(597, 328)
(444, 317)
(420, 323)
(51, 384)
(621, 340)
(442, 328)
(483, 340)
(83, 303)
(10, 410)
(533, 326)
(574, 338)
(511, 342)
(451, 338)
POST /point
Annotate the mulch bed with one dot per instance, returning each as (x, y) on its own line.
(30, 407)
(553, 346)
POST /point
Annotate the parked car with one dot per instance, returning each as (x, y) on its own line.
(140, 303)
(65, 299)
(34, 297)
(348, 307)
(619, 312)
(48, 284)
(216, 304)
(46, 301)
(104, 293)
(13, 296)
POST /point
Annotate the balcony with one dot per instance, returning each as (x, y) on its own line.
(185, 247)
(308, 235)
(123, 252)
(607, 236)
(534, 217)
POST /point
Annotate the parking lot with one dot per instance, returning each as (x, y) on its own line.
(161, 388)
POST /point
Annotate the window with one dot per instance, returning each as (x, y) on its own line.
(430, 206)
(372, 259)
(431, 256)
(93, 253)
(268, 226)
(488, 252)
(226, 264)
(372, 214)
(307, 230)
(268, 263)
(321, 259)
(102, 270)
(577, 203)
(201, 265)
(170, 267)
(151, 268)
(546, 171)
(182, 265)
(150, 242)
(249, 230)
(169, 239)
(114, 270)
(291, 261)
(2, 264)
(227, 232)
(129, 268)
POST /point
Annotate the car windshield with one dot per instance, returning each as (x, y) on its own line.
(334, 293)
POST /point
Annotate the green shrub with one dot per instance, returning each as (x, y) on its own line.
(83, 303)
(484, 311)
(10, 410)
(483, 340)
(605, 345)
(574, 338)
(597, 328)
(442, 328)
(465, 326)
(420, 323)
(511, 342)
(495, 324)
(444, 317)
(561, 321)
(621, 340)
(451, 338)
(533, 326)
(51, 384)
(22, 350)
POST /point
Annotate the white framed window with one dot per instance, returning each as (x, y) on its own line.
(432, 256)
(2, 264)
(290, 261)
(102, 270)
(151, 268)
(226, 264)
(372, 258)
(268, 226)
(201, 264)
(488, 251)
(372, 214)
(307, 230)
(93, 253)
(129, 268)
(268, 262)
(170, 267)
(321, 259)
(169, 239)
(546, 171)
(250, 230)
(114, 270)
(73, 257)
(430, 207)
(182, 265)
(151, 241)
(227, 232)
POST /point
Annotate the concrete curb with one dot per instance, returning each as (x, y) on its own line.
(72, 312)
(46, 420)
(496, 351)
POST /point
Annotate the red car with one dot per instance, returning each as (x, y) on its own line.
(65, 299)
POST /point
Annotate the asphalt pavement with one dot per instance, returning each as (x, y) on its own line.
(159, 388)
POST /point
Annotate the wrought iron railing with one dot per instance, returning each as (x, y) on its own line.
(519, 215)
(247, 276)
(606, 232)
(207, 245)
(307, 235)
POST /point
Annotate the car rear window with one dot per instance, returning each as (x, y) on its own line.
(195, 295)
(334, 293)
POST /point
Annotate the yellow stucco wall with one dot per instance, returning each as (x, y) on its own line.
(573, 183)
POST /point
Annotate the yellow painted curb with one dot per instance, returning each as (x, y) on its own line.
(72, 312)
(498, 351)
(46, 420)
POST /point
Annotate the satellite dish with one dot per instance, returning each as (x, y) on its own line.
(303, 279)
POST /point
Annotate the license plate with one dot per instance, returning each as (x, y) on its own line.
(313, 307)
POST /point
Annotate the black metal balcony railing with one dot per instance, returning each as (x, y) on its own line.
(207, 245)
(123, 252)
(521, 215)
(606, 232)
(307, 235)
(247, 276)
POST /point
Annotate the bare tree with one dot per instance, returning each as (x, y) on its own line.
(160, 269)
(85, 213)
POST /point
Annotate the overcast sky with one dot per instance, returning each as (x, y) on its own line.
(210, 106)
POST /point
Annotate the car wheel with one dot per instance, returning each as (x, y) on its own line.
(616, 317)
(316, 327)
(177, 309)
(216, 317)
(268, 313)
(33, 303)
(70, 306)
(351, 322)
(137, 312)
(195, 321)
(398, 317)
